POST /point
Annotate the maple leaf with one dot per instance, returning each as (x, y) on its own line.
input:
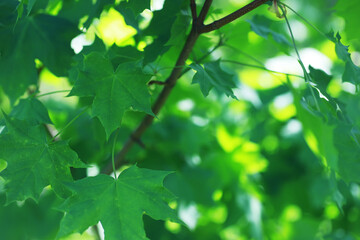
(114, 91)
(42, 37)
(352, 72)
(212, 76)
(118, 204)
(32, 110)
(33, 162)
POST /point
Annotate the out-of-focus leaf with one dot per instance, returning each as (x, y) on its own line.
(349, 10)
(137, 6)
(262, 26)
(75, 10)
(37, 220)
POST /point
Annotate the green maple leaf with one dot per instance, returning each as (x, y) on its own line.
(262, 26)
(352, 72)
(212, 76)
(41, 37)
(31, 110)
(33, 162)
(118, 204)
(114, 91)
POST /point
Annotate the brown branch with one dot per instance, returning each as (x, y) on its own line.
(156, 82)
(176, 73)
(231, 17)
(193, 10)
(204, 11)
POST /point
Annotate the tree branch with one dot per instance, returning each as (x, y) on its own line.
(193, 10)
(204, 11)
(231, 17)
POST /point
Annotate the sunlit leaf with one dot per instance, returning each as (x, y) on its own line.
(118, 204)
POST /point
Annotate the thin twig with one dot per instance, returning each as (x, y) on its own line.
(259, 67)
(69, 123)
(49, 93)
(231, 17)
(156, 82)
(245, 54)
(306, 75)
(113, 153)
(204, 11)
(305, 20)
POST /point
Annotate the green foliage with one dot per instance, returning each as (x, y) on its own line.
(262, 26)
(212, 76)
(42, 37)
(352, 72)
(33, 161)
(250, 131)
(113, 91)
(118, 204)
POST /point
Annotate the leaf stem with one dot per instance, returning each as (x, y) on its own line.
(304, 19)
(306, 75)
(259, 67)
(69, 123)
(245, 54)
(113, 153)
(49, 93)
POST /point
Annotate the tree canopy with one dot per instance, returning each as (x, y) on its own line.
(179, 119)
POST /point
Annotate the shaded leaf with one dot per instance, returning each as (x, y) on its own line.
(41, 36)
(31, 220)
(33, 162)
(31, 110)
(262, 26)
(319, 77)
(114, 91)
(212, 76)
